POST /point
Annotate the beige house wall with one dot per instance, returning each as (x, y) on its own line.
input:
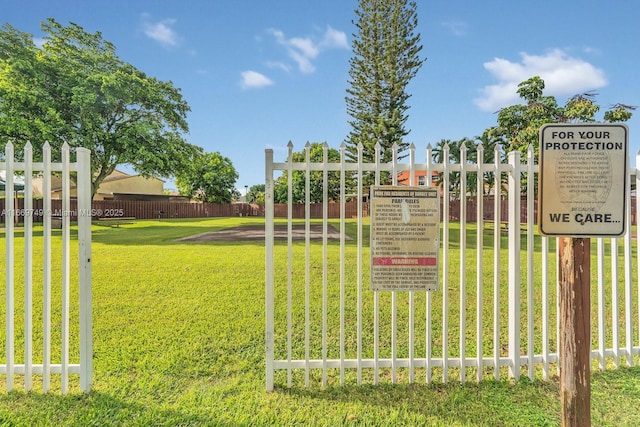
(130, 185)
(117, 182)
(37, 183)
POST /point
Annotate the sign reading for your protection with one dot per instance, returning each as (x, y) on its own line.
(405, 238)
(583, 179)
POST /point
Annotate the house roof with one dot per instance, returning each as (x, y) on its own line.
(118, 175)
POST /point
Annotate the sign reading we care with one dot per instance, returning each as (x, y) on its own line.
(583, 179)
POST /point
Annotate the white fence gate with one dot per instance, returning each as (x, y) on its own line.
(324, 324)
(53, 272)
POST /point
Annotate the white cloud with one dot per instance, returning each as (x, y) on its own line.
(160, 31)
(281, 65)
(457, 28)
(254, 80)
(305, 63)
(305, 47)
(303, 51)
(562, 75)
(334, 38)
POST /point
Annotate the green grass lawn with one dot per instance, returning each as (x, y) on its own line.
(179, 340)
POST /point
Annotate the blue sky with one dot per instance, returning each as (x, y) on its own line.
(258, 74)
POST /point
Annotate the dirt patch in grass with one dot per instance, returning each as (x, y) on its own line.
(256, 233)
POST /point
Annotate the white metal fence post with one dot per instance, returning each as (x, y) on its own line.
(445, 262)
(479, 261)
(28, 266)
(412, 164)
(9, 268)
(359, 268)
(46, 267)
(531, 180)
(307, 265)
(514, 264)
(269, 294)
(497, 226)
(376, 295)
(83, 158)
(289, 262)
(66, 257)
(343, 148)
(325, 256)
(463, 262)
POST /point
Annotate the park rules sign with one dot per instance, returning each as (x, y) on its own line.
(405, 238)
(583, 180)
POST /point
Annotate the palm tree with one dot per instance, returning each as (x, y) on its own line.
(455, 156)
(488, 142)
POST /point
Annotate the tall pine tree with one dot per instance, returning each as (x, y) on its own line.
(385, 58)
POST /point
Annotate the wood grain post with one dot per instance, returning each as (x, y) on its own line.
(575, 331)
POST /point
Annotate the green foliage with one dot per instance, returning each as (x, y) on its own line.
(519, 125)
(76, 89)
(386, 58)
(316, 185)
(255, 194)
(581, 108)
(210, 177)
(618, 113)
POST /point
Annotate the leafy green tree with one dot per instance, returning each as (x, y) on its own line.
(386, 57)
(255, 194)
(519, 125)
(316, 186)
(210, 177)
(76, 89)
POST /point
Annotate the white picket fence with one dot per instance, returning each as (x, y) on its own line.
(55, 315)
(324, 324)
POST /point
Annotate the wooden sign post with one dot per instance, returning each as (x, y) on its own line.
(575, 327)
(582, 194)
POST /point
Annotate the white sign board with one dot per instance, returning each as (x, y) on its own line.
(405, 238)
(583, 179)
